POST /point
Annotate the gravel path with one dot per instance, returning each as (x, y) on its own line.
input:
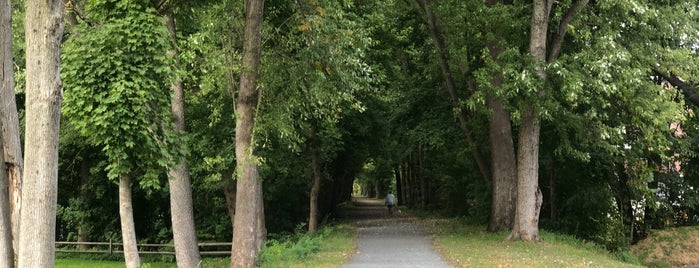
(389, 241)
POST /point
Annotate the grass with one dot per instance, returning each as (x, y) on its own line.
(471, 246)
(672, 247)
(330, 247)
(69, 262)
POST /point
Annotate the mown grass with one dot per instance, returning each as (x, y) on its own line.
(466, 245)
(330, 247)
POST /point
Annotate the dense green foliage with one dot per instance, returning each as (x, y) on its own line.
(116, 77)
(360, 82)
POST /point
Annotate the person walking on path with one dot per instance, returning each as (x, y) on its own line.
(390, 202)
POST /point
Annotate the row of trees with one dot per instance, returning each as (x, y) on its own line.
(469, 107)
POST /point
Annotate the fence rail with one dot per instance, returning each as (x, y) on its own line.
(117, 248)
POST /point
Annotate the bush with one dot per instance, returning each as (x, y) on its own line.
(284, 250)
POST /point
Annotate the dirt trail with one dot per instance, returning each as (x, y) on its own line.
(389, 241)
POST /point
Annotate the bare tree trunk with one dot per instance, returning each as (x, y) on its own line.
(529, 196)
(181, 207)
(315, 187)
(43, 27)
(7, 258)
(249, 208)
(128, 227)
(10, 121)
(504, 168)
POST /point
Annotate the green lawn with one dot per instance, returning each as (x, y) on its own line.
(471, 246)
(335, 247)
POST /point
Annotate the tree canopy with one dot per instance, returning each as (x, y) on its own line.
(445, 103)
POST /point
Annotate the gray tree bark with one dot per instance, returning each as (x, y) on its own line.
(504, 166)
(502, 151)
(43, 27)
(249, 220)
(529, 196)
(10, 121)
(181, 207)
(7, 258)
(128, 227)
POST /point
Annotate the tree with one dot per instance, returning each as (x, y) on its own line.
(248, 228)
(182, 212)
(442, 53)
(119, 97)
(529, 196)
(10, 121)
(7, 257)
(44, 30)
(315, 86)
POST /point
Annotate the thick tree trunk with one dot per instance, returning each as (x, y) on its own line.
(128, 227)
(7, 258)
(181, 208)
(502, 151)
(504, 185)
(182, 213)
(529, 197)
(43, 28)
(10, 121)
(249, 207)
(315, 189)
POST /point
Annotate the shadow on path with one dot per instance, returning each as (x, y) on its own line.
(388, 240)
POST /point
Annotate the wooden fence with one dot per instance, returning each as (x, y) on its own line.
(154, 249)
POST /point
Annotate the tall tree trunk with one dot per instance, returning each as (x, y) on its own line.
(43, 29)
(248, 207)
(529, 198)
(9, 120)
(315, 187)
(504, 185)
(528, 194)
(128, 227)
(7, 258)
(502, 151)
(181, 208)
(436, 34)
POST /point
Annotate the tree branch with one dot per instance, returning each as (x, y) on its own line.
(557, 42)
(75, 8)
(688, 90)
(440, 45)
